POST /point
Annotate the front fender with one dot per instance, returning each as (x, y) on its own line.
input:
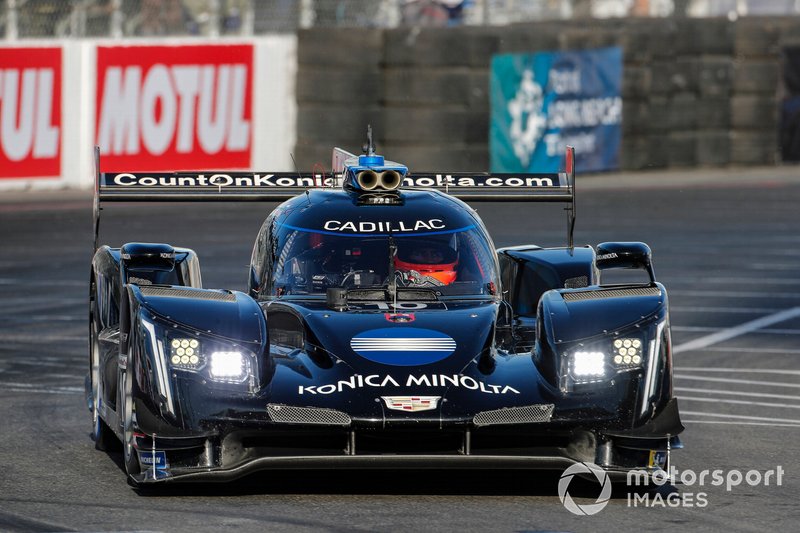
(591, 320)
(166, 393)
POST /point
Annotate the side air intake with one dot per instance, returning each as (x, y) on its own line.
(610, 293)
(169, 292)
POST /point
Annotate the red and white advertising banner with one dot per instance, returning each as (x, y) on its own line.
(30, 112)
(162, 108)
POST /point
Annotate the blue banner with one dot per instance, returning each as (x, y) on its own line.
(545, 101)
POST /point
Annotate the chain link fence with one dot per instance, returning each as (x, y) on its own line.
(21, 19)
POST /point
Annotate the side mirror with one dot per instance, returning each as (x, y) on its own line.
(146, 261)
(625, 255)
(148, 256)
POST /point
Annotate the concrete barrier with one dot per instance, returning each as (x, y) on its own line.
(696, 92)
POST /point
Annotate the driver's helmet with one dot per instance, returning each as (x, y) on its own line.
(428, 257)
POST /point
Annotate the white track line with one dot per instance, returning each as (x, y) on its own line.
(125, 531)
(737, 370)
(63, 364)
(743, 310)
(741, 417)
(737, 294)
(739, 393)
(742, 381)
(37, 391)
(765, 331)
(16, 338)
(741, 423)
(771, 266)
(732, 281)
(40, 386)
(13, 303)
(760, 351)
(67, 283)
(739, 402)
(742, 329)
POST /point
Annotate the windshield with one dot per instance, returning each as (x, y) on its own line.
(453, 263)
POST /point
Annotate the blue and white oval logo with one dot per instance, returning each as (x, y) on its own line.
(403, 346)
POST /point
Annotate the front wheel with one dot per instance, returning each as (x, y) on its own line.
(103, 437)
(132, 466)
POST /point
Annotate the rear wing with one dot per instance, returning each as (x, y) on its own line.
(226, 186)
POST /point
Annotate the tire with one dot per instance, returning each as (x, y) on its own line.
(130, 457)
(104, 439)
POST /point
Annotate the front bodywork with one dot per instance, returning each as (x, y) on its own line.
(482, 407)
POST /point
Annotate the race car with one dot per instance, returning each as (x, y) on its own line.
(380, 329)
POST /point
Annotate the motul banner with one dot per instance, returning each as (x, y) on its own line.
(174, 107)
(30, 112)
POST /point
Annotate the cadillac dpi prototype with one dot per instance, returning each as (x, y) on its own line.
(380, 329)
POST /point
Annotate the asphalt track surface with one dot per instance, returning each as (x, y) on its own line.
(726, 244)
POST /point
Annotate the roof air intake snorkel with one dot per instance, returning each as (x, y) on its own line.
(388, 180)
(370, 173)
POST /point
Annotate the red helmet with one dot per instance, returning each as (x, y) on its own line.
(430, 258)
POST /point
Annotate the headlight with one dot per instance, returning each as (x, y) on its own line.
(217, 360)
(186, 354)
(627, 353)
(229, 367)
(179, 352)
(588, 365)
(600, 361)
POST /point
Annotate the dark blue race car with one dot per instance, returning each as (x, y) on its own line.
(381, 329)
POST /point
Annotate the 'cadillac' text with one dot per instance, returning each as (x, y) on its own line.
(381, 226)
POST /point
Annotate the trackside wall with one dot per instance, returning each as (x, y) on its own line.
(696, 92)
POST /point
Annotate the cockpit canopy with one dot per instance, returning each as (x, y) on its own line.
(421, 244)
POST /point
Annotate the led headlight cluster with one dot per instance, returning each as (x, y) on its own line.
(225, 366)
(186, 354)
(601, 361)
(195, 356)
(627, 353)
